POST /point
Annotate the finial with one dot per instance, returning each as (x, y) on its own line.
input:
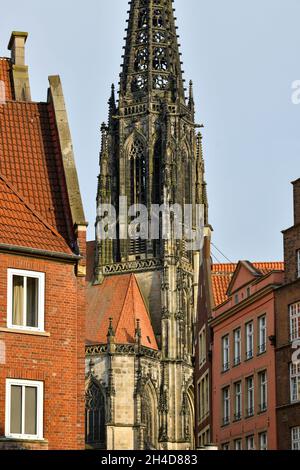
(138, 331)
(111, 331)
(191, 96)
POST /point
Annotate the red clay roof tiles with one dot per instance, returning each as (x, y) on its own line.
(222, 274)
(5, 66)
(30, 159)
(119, 298)
(21, 226)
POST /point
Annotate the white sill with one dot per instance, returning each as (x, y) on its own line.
(24, 332)
(22, 439)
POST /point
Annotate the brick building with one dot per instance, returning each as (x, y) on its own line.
(243, 383)
(203, 356)
(42, 267)
(288, 337)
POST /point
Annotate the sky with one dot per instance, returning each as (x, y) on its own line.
(243, 57)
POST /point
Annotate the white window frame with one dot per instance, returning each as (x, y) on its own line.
(262, 334)
(237, 346)
(295, 438)
(250, 396)
(238, 400)
(250, 340)
(226, 353)
(263, 441)
(295, 382)
(238, 444)
(250, 439)
(263, 386)
(41, 299)
(226, 406)
(40, 409)
(294, 311)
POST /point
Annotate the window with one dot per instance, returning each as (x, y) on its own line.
(249, 340)
(25, 300)
(238, 401)
(296, 438)
(250, 396)
(295, 382)
(250, 443)
(237, 346)
(24, 409)
(204, 438)
(203, 398)
(263, 441)
(262, 334)
(263, 386)
(226, 353)
(238, 444)
(298, 263)
(202, 347)
(226, 446)
(95, 415)
(295, 321)
(226, 406)
(236, 299)
(248, 291)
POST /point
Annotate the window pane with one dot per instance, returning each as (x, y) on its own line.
(32, 302)
(18, 301)
(31, 411)
(16, 410)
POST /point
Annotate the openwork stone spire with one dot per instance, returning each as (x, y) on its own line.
(152, 64)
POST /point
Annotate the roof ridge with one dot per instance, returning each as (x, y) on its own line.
(124, 302)
(31, 209)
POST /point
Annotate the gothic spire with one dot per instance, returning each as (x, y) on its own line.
(152, 65)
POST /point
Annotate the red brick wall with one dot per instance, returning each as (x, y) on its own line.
(291, 246)
(288, 415)
(296, 185)
(57, 360)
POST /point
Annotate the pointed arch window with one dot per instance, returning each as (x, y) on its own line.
(95, 415)
(138, 173)
(138, 186)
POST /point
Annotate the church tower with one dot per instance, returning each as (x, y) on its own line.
(152, 155)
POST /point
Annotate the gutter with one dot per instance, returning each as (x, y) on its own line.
(40, 253)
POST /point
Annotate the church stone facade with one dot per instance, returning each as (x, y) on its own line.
(142, 294)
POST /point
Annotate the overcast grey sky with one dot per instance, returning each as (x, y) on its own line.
(242, 56)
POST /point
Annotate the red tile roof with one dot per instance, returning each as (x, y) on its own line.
(30, 158)
(21, 226)
(222, 274)
(5, 66)
(119, 298)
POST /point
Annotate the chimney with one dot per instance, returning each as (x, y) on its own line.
(296, 185)
(19, 69)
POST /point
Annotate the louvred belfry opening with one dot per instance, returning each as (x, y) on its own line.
(151, 60)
